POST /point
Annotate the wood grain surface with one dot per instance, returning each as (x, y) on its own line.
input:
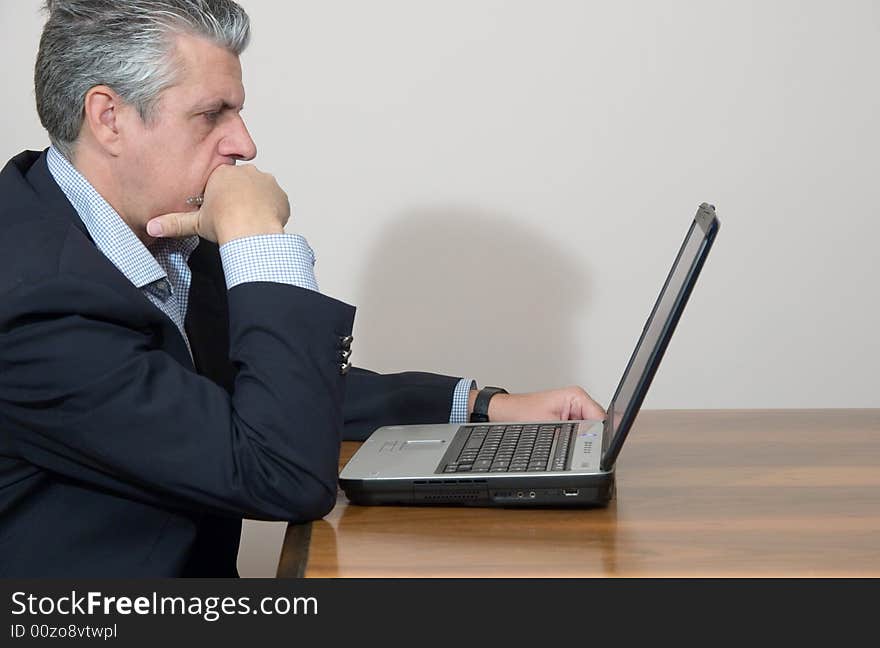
(699, 493)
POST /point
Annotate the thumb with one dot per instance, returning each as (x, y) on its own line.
(174, 225)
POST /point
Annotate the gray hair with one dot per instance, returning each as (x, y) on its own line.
(127, 45)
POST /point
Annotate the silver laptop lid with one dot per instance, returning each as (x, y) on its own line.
(658, 330)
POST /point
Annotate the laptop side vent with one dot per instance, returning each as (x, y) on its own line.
(420, 482)
(442, 497)
(451, 491)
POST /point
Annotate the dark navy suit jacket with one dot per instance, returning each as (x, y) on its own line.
(120, 456)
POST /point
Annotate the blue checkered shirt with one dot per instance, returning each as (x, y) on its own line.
(162, 273)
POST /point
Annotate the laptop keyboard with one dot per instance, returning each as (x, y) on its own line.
(514, 448)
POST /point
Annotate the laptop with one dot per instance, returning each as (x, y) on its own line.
(540, 463)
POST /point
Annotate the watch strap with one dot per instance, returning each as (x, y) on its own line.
(481, 404)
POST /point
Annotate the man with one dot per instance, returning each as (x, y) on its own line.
(168, 364)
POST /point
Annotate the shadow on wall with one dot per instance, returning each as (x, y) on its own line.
(469, 292)
(464, 292)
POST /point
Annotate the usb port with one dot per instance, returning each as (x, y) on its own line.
(570, 492)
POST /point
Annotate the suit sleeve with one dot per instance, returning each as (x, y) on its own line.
(373, 400)
(92, 397)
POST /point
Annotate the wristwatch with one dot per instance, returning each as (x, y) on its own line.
(481, 405)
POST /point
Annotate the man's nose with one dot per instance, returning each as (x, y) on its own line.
(238, 143)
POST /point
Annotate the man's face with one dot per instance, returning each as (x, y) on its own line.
(196, 128)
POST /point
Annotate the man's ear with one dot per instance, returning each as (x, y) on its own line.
(103, 119)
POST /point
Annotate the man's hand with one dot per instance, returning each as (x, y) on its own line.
(568, 404)
(239, 201)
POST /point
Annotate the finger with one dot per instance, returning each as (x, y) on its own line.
(174, 225)
(594, 410)
(567, 410)
(590, 409)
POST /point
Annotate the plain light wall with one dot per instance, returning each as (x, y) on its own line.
(501, 186)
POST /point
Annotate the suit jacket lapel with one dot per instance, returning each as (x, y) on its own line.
(82, 257)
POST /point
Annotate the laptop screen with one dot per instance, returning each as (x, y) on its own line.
(657, 332)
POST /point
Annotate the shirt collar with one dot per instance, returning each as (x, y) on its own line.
(113, 237)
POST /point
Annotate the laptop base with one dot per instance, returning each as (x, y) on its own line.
(552, 491)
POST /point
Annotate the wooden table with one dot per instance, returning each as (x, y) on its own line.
(699, 493)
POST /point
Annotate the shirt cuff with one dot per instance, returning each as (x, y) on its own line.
(459, 413)
(278, 258)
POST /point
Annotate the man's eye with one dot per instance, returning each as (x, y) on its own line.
(212, 116)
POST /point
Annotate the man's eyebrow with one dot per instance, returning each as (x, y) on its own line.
(217, 106)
